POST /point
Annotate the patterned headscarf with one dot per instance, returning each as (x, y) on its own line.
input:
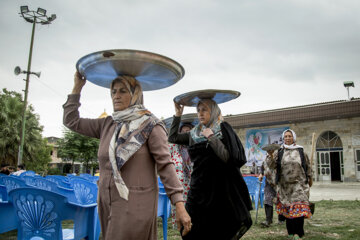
(292, 146)
(214, 123)
(134, 125)
(133, 86)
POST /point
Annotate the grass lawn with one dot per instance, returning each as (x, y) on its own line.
(332, 220)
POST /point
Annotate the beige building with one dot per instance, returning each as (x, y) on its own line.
(336, 126)
(56, 162)
(52, 141)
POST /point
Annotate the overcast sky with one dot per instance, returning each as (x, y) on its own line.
(276, 53)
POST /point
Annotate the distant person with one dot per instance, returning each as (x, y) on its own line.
(183, 166)
(293, 179)
(253, 168)
(11, 169)
(97, 173)
(20, 169)
(269, 191)
(5, 169)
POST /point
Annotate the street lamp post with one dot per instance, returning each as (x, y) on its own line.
(33, 17)
(348, 84)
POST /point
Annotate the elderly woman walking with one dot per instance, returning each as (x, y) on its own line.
(218, 200)
(133, 148)
(294, 179)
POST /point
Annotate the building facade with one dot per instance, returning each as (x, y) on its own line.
(336, 129)
(56, 162)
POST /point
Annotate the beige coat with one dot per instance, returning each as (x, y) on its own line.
(292, 187)
(135, 218)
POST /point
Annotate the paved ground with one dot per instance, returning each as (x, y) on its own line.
(335, 191)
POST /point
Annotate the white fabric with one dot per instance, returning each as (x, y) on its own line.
(292, 146)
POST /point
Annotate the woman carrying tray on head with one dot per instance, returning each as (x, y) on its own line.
(133, 149)
(218, 200)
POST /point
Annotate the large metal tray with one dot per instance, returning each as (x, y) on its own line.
(271, 147)
(152, 70)
(191, 99)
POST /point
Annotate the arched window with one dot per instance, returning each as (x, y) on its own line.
(329, 141)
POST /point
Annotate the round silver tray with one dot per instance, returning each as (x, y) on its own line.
(152, 70)
(191, 99)
(271, 147)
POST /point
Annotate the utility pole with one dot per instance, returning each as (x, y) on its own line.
(32, 17)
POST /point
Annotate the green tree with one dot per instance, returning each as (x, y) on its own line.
(42, 153)
(11, 110)
(76, 147)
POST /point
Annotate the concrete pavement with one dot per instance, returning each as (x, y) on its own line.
(335, 191)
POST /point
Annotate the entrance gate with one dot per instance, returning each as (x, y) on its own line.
(330, 163)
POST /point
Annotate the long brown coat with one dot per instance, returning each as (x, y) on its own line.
(135, 218)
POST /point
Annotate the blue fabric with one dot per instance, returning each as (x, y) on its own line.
(164, 207)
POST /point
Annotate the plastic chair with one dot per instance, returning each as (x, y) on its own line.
(61, 181)
(44, 184)
(8, 220)
(89, 177)
(164, 207)
(12, 183)
(3, 192)
(254, 187)
(257, 195)
(39, 183)
(86, 193)
(83, 193)
(252, 184)
(40, 212)
(262, 193)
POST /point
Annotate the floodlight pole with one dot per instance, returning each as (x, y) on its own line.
(21, 147)
(34, 18)
(348, 93)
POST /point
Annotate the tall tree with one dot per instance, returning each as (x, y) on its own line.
(43, 158)
(76, 147)
(11, 110)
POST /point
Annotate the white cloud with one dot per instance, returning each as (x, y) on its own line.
(267, 50)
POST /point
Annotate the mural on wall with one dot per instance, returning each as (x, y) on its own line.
(256, 139)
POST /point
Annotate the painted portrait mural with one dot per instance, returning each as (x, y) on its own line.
(256, 139)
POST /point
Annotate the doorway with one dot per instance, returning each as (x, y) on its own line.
(329, 164)
(335, 166)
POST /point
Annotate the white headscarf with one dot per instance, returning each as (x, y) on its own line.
(292, 146)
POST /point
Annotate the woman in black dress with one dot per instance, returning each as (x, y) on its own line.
(218, 201)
